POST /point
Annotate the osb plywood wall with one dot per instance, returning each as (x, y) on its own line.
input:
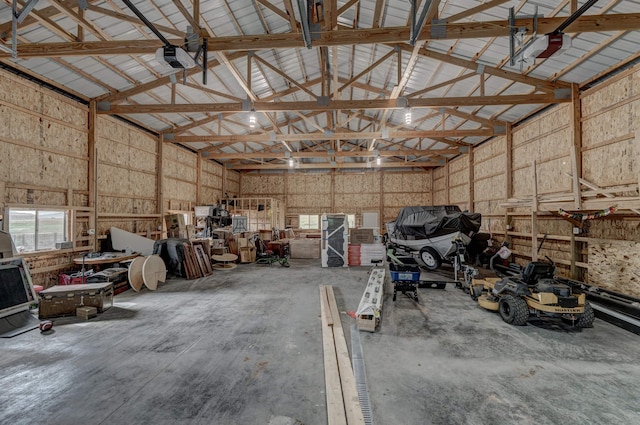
(404, 189)
(350, 193)
(126, 174)
(615, 265)
(458, 170)
(211, 183)
(440, 192)
(547, 140)
(308, 193)
(610, 152)
(611, 158)
(490, 182)
(264, 186)
(356, 192)
(43, 160)
(46, 134)
(231, 183)
(179, 172)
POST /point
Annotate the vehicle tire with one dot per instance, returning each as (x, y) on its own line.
(586, 319)
(430, 258)
(513, 310)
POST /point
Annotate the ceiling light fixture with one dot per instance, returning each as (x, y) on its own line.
(407, 116)
(291, 162)
(378, 161)
(252, 119)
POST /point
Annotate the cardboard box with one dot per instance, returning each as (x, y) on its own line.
(86, 312)
(243, 242)
(360, 236)
(304, 248)
(247, 254)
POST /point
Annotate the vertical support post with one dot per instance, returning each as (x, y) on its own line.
(196, 13)
(574, 257)
(199, 180)
(333, 190)
(446, 182)
(249, 58)
(381, 202)
(2, 211)
(159, 183)
(93, 172)
(471, 180)
(576, 149)
(508, 178)
(576, 167)
(534, 213)
(399, 67)
(431, 183)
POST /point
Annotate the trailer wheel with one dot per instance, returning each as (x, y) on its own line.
(430, 258)
(513, 310)
(586, 319)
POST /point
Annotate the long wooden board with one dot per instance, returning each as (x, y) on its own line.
(347, 379)
(335, 404)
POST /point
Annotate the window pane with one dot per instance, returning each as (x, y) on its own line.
(314, 222)
(51, 226)
(308, 221)
(351, 218)
(22, 226)
(33, 230)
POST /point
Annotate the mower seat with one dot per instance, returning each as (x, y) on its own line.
(536, 270)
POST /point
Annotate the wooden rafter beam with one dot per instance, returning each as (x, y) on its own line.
(470, 12)
(502, 73)
(346, 6)
(344, 135)
(391, 35)
(288, 5)
(340, 154)
(274, 9)
(128, 18)
(338, 165)
(260, 106)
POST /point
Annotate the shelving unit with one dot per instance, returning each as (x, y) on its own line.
(261, 213)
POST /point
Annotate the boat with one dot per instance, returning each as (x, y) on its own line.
(432, 231)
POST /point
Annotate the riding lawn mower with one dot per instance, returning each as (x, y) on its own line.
(534, 292)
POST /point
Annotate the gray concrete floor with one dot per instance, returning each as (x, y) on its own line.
(244, 347)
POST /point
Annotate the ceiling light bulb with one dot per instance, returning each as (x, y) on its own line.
(252, 119)
(378, 161)
(407, 116)
(291, 162)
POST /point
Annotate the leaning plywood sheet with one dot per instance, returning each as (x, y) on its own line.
(123, 240)
(615, 265)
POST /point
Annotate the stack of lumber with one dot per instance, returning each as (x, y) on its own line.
(196, 260)
(343, 404)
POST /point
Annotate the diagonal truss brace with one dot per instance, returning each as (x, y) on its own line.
(17, 18)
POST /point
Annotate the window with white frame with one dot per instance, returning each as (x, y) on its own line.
(309, 222)
(38, 229)
(351, 218)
